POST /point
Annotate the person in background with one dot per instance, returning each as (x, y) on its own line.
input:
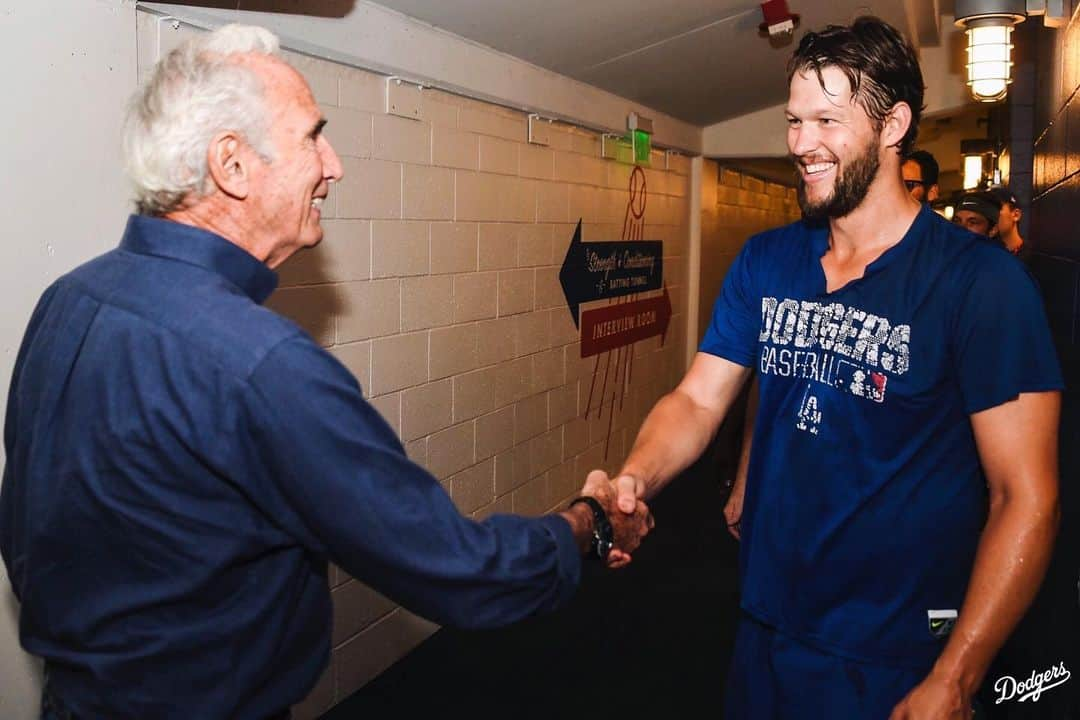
(978, 212)
(902, 498)
(920, 171)
(183, 463)
(1008, 223)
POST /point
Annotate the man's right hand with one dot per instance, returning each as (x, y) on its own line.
(629, 527)
(630, 490)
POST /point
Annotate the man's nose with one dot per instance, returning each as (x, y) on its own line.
(801, 140)
(332, 169)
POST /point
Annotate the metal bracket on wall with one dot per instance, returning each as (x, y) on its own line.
(539, 130)
(616, 147)
(403, 98)
(667, 157)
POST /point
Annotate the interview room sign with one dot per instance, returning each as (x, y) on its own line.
(607, 270)
(615, 326)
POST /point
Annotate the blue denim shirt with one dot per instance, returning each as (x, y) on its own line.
(182, 463)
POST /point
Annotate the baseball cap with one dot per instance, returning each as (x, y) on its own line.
(1004, 195)
(984, 203)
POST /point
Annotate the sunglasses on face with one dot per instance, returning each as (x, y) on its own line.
(912, 184)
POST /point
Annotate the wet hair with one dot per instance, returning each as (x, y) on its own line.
(196, 91)
(927, 164)
(879, 64)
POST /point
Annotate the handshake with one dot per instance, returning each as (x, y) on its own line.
(608, 519)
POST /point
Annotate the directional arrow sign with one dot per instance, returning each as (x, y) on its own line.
(600, 270)
(614, 326)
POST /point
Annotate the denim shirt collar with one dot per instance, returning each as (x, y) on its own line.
(168, 239)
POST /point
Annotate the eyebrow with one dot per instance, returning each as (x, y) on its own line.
(814, 114)
(315, 131)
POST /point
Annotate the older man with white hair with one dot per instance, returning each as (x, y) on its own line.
(183, 463)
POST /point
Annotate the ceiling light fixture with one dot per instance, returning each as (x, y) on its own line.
(989, 26)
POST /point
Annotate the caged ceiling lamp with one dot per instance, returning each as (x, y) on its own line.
(989, 25)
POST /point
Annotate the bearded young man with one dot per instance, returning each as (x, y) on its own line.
(898, 357)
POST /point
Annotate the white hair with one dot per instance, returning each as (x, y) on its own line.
(196, 91)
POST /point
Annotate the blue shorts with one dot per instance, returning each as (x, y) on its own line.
(774, 677)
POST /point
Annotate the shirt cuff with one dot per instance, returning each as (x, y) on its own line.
(567, 555)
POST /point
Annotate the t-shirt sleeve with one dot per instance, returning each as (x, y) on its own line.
(732, 334)
(1002, 341)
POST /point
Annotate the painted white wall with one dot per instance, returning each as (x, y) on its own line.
(944, 72)
(764, 133)
(69, 67)
(757, 134)
(375, 38)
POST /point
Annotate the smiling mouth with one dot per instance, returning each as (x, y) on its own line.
(813, 169)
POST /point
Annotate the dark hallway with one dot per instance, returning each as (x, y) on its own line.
(652, 640)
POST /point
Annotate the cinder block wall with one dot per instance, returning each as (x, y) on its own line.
(437, 286)
(734, 206)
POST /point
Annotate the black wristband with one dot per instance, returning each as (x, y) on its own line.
(603, 535)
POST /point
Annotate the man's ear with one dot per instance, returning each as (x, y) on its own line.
(228, 160)
(896, 125)
(933, 192)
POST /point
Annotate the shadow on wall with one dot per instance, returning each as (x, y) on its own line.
(317, 8)
(20, 673)
(308, 291)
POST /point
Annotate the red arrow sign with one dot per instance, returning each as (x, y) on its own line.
(614, 326)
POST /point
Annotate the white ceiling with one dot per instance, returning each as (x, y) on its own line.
(698, 60)
(701, 61)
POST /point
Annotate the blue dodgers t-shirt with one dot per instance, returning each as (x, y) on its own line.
(865, 497)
